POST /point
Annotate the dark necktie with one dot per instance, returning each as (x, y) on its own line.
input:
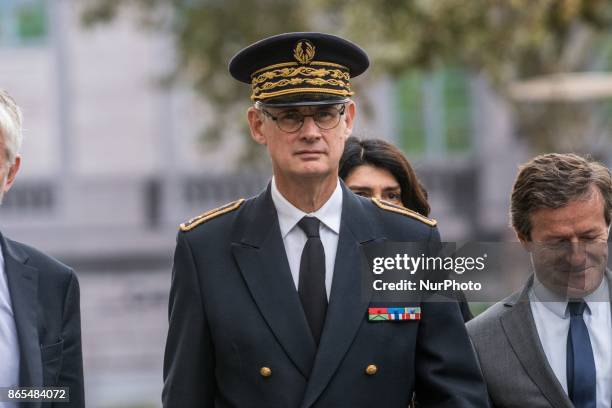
(581, 380)
(311, 286)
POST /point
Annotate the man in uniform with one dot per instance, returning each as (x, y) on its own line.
(266, 308)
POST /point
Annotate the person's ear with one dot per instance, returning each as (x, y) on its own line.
(12, 173)
(349, 117)
(255, 118)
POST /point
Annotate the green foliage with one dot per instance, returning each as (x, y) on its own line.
(207, 34)
(505, 40)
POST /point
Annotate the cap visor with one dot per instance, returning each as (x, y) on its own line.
(304, 99)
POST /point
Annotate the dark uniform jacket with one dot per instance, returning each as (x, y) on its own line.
(45, 299)
(238, 336)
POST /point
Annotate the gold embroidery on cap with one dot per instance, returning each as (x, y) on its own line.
(295, 64)
(298, 81)
(264, 95)
(304, 51)
(306, 71)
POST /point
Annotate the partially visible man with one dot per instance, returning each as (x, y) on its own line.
(551, 344)
(40, 324)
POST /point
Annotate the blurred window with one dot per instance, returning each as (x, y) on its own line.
(23, 22)
(30, 196)
(434, 112)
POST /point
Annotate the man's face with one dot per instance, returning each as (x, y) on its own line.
(7, 171)
(569, 245)
(310, 152)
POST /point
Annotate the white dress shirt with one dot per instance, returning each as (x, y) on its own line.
(9, 345)
(552, 322)
(294, 238)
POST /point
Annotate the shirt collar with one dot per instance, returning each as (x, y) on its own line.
(289, 215)
(558, 305)
(598, 298)
(551, 300)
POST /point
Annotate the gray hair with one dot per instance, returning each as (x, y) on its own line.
(552, 181)
(10, 126)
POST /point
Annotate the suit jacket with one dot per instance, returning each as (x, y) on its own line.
(45, 300)
(511, 356)
(234, 309)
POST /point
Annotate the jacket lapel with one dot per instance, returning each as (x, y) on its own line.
(522, 334)
(347, 306)
(23, 287)
(608, 275)
(259, 251)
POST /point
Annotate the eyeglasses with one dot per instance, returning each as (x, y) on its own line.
(292, 121)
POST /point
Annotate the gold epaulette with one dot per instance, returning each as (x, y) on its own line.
(209, 215)
(403, 210)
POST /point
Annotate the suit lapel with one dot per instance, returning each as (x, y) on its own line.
(608, 275)
(23, 287)
(522, 334)
(347, 306)
(259, 251)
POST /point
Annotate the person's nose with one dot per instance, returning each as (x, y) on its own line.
(310, 130)
(577, 254)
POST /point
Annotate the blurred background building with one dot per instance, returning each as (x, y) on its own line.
(114, 159)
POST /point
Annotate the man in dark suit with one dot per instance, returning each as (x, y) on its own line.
(550, 345)
(266, 306)
(40, 327)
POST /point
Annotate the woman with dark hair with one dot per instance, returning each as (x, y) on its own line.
(376, 168)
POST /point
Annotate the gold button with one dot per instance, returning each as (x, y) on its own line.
(265, 371)
(371, 369)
